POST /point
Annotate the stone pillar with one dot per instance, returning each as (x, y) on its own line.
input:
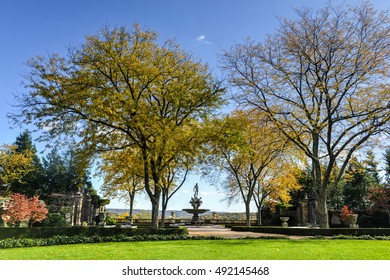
(86, 215)
(304, 209)
(78, 203)
(102, 216)
(312, 211)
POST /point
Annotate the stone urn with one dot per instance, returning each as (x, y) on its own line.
(352, 218)
(284, 220)
(173, 217)
(335, 219)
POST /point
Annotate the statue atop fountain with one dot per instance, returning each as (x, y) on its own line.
(196, 202)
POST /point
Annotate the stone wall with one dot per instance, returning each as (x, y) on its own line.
(78, 208)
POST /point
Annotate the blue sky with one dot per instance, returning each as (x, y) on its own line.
(203, 27)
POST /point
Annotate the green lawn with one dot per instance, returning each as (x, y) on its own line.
(244, 249)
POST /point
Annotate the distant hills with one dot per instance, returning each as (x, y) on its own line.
(178, 213)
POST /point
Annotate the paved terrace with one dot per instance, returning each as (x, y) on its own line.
(217, 230)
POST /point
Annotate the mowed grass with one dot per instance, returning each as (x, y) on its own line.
(239, 249)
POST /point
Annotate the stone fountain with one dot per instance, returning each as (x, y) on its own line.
(195, 202)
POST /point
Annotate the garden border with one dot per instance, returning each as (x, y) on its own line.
(300, 231)
(46, 232)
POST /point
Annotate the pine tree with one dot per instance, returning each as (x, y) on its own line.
(55, 173)
(371, 166)
(64, 173)
(386, 157)
(357, 184)
(31, 183)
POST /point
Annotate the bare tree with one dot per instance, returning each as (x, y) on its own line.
(323, 79)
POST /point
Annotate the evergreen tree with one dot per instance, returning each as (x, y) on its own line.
(55, 173)
(77, 170)
(357, 183)
(371, 166)
(30, 184)
(65, 173)
(386, 157)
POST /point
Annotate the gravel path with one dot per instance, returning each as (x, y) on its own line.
(217, 230)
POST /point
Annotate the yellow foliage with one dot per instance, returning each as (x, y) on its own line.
(122, 171)
(13, 165)
(279, 182)
(124, 215)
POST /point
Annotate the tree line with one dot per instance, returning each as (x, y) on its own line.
(28, 181)
(364, 187)
(310, 95)
(59, 171)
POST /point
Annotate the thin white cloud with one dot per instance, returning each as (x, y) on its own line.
(202, 39)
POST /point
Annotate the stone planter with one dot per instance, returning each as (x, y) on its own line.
(284, 220)
(335, 219)
(352, 218)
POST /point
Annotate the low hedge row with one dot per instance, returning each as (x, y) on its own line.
(46, 232)
(316, 231)
(61, 240)
(353, 237)
(78, 239)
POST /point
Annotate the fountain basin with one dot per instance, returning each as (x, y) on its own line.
(198, 211)
(195, 214)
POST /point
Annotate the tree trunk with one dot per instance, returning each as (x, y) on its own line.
(163, 208)
(162, 224)
(322, 208)
(154, 195)
(248, 213)
(320, 187)
(131, 206)
(259, 221)
(155, 206)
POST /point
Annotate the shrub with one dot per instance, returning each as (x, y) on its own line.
(21, 208)
(54, 220)
(45, 232)
(110, 221)
(353, 237)
(365, 221)
(380, 219)
(60, 239)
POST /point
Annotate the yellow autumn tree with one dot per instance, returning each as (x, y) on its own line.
(122, 88)
(122, 173)
(244, 147)
(276, 183)
(14, 166)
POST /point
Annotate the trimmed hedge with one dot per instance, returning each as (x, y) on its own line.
(352, 237)
(316, 231)
(61, 240)
(46, 232)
